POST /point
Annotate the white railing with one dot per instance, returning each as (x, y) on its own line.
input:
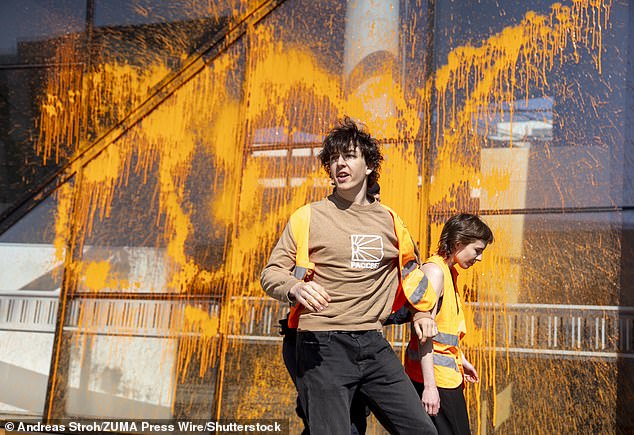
(31, 311)
(563, 330)
(539, 329)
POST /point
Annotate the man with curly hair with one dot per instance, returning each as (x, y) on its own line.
(358, 262)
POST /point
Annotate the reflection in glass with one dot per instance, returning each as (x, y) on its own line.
(108, 377)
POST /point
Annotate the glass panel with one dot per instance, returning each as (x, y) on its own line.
(312, 64)
(563, 304)
(70, 70)
(134, 359)
(27, 24)
(26, 161)
(294, 91)
(36, 38)
(154, 210)
(521, 395)
(627, 261)
(108, 377)
(124, 250)
(582, 248)
(625, 365)
(136, 45)
(527, 128)
(30, 279)
(545, 111)
(151, 32)
(25, 362)
(262, 392)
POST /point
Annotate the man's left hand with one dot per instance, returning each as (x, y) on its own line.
(425, 328)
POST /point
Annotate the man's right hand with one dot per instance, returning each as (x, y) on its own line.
(311, 295)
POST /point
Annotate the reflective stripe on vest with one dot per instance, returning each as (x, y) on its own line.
(300, 272)
(448, 339)
(420, 291)
(446, 361)
(410, 266)
(417, 291)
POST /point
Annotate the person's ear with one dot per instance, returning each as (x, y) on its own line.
(369, 171)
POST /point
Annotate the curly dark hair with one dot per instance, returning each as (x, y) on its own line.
(349, 135)
(462, 228)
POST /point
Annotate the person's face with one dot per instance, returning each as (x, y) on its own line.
(466, 255)
(349, 170)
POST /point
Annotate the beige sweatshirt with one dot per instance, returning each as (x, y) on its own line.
(355, 252)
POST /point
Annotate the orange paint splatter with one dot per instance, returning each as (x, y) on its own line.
(206, 119)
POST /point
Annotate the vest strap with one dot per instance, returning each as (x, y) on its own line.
(300, 227)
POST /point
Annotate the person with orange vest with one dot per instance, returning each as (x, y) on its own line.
(345, 263)
(439, 376)
(359, 410)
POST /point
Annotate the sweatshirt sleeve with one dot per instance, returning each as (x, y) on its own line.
(277, 276)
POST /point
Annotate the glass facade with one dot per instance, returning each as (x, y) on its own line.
(151, 153)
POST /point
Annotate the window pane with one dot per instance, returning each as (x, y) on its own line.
(30, 281)
(26, 24)
(153, 222)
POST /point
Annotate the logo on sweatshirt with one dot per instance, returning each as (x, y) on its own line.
(367, 251)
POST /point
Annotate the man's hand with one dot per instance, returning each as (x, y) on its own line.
(311, 295)
(431, 400)
(470, 373)
(425, 328)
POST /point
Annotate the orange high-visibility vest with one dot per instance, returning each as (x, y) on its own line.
(413, 287)
(451, 325)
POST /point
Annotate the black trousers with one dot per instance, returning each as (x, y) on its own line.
(358, 409)
(332, 366)
(453, 418)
